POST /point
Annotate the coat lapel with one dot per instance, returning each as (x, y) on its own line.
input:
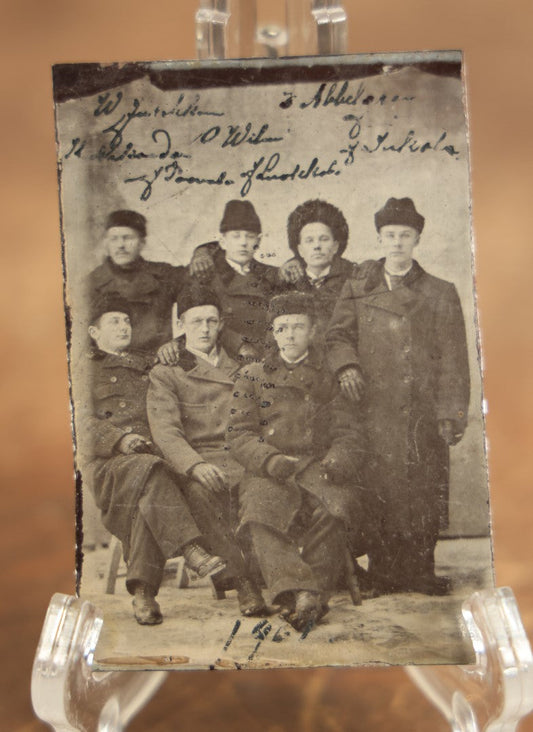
(221, 374)
(401, 301)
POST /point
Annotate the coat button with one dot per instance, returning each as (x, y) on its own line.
(406, 379)
(122, 405)
(128, 430)
(307, 397)
(113, 379)
(144, 377)
(407, 349)
(271, 431)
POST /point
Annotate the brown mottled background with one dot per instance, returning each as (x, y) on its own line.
(36, 523)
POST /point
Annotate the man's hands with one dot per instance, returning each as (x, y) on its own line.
(280, 467)
(169, 353)
(336, 471)
(133, 443)
(209, 476)
(201, 265)
(352, 383)
(449, 431)
(291, 271)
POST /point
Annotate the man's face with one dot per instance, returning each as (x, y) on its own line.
(317, 245)
(399, 242)
(293, 334)
(201, 326)
(239, 245)
(112, 333)
(123, 244)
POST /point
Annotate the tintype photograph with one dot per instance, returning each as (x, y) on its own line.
(274, 359)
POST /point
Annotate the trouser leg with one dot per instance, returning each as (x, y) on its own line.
(323, 544)
(212, 514)
(146, 561)
(162, 525)
(279, 559)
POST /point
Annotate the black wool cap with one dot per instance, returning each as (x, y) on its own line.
(240, 216)
(196, 296)
(292, 303)
(317, 211)
(400, 211)
(108, 303)
(127, 218)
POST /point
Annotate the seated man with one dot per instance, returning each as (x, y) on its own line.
(136, 491)
(188, 406)
(300, 447)
(243, 285)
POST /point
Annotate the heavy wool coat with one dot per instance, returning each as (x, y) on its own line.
(188, 409)
(410, 346)
(150, 288)
(292, 411)
(116, 406)
(244, 299)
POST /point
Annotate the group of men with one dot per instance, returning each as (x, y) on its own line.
(302, 416)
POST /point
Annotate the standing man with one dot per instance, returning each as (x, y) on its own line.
(149, 288)
(188, 409)
(398, 346)
(137, 493)
(243, 285)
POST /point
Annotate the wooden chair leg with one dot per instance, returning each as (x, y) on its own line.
(182, 578)
(352, 583)
(115, 551)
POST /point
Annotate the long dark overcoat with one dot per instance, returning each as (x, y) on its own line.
(116, 407)
(150, 288)
(293, 411)
(410, 346)
(244, 299)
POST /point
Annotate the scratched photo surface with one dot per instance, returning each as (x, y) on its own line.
(274, 359)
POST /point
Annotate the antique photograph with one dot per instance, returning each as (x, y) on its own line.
(274, 359)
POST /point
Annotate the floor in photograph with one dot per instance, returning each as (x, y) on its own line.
(199, 631)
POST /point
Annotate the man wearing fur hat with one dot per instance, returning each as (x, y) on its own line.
(397, 344)
(302, 449)
(135, 489)
(149, 288)
(243, 284)
(188, 408)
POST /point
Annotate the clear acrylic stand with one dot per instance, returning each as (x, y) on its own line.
(493, 695)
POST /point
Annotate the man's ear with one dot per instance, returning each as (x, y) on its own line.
(93, 331)
(312, 332)
(180, 329)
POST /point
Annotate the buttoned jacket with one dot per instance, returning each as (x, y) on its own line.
(244, 299)
(117, 401)
(410, 345)
(188, 408)
(292, 410)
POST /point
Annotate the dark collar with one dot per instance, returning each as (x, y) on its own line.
(315, 360)
(375, 274)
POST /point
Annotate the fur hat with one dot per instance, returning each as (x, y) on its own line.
(240, 216)
(108, 303)
(322, 212)
(194, 295)
(127, 218)
(290, 303)
(399, 211)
